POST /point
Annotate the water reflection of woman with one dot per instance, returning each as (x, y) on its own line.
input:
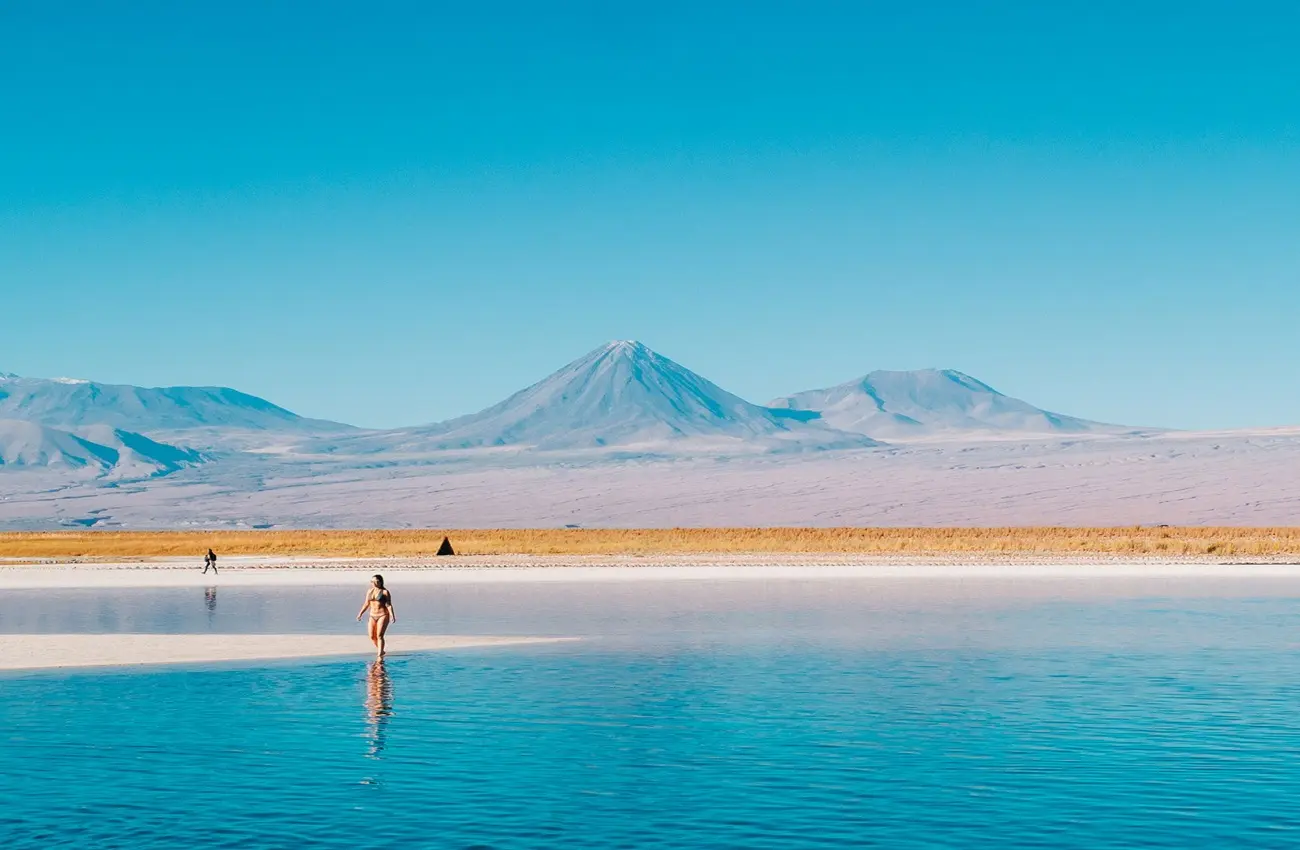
(379, 705)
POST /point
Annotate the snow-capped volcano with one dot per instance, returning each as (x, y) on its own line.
(928, 401)
(621, 394)
(72, 403)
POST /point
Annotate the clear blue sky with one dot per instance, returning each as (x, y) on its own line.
(390, 213)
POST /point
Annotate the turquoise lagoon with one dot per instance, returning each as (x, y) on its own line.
(900, 713)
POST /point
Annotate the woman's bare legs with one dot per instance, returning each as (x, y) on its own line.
(373, 630)
(380, 626)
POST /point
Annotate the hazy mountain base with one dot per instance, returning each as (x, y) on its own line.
(1229, 478)
(89, 452)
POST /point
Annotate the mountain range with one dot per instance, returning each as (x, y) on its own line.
(622, 437)
(620, 396)
(71, 402)
(895, 405)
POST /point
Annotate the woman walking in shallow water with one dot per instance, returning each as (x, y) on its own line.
(379, 602)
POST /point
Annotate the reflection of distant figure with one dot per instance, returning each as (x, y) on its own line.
(210, 600)
(210, 560)
(379, 705)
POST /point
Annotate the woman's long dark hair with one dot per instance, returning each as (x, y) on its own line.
(379, 580)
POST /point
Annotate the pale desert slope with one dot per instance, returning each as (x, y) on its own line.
(97, 449)
(1241, 478)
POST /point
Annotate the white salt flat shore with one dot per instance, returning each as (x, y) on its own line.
(68, 651)
(261, 572)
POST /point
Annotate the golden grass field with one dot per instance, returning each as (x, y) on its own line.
(107, 545)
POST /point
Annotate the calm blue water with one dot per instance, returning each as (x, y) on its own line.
(818, 714)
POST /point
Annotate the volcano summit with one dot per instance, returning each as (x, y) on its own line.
(621, 394)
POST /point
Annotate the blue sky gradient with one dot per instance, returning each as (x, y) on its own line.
(395, 213)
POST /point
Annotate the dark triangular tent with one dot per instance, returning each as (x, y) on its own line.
(445, 548)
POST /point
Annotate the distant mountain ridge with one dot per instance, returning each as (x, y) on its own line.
(71, 403)
(621, 395)
(891, 404)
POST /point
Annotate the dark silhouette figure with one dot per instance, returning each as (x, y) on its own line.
(210, 560)
(445, 548)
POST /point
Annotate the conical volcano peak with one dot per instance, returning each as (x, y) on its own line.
(621, 363)
(619, 394)
(629, 348)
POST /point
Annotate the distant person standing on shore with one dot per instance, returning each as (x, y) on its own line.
(210, 560)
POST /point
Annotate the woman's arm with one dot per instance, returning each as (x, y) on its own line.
(364, 606)
(392, 612)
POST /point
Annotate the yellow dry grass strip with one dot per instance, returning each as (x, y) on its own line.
(653, 541)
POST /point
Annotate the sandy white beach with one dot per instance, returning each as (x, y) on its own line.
(55, 651)
(284, 572)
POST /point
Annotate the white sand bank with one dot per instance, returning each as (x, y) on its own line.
(255, 573)
(38, 652)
